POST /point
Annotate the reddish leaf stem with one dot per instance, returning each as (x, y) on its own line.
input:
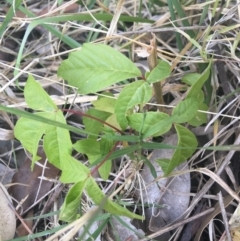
(94, 118)
(105, 159)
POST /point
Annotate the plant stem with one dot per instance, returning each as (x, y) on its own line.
(152, 63)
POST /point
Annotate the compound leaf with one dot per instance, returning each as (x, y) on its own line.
(185, 110)
(187, 144)
(94, 150)
(88, 147)
(73, 170)
(105, 104)
(92, 125)
(191, 78)
(36, 97)
(160, 126)
(72, 202)
(143, 122)
(138, 92)
(200, 117)
(105, 146)
(29, 133)
(95, 67)
(57, 141)
(160, 72)
(195, 90)
(99, 198)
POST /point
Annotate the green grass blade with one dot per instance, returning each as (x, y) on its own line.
(66, 39)
(99, 230)
(118, 153)
(204, 14)
(64, 126)
(154, 145)
(182, 15)
(173, 17)
(41, 119)
(40, 234)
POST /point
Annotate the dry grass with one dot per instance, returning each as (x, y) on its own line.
(217, 34)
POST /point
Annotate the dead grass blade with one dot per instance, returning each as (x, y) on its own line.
(181, 223)
(217, 179)
(227, 201)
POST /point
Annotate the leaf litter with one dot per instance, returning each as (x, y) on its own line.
(207, 159)
(31, 186)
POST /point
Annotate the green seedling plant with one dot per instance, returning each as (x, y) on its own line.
(108, 123)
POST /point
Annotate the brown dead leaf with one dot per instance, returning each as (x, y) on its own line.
(28, 185)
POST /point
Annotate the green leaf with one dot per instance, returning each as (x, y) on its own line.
(105, 146)
(116, 137)
(105, 104)
(188, 142)
(62, 18)
(57, 141)
(160, 72)
(99, 198)
(191, 78)
(112, 120)
(199, 96)
(45, 120)
(73, 170)
(160, 126)
(69, 210)
(156, 145)
(36, 97)
(138, 92)
(164, 163)
(150, 166)
(118, 153)
(195, 90)
(185, 110)
(143, 122)
(200, 118)
(88, 146)
(94, 126)
(94, 150)
(37, 118)
(29, 133)
(96, 67)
